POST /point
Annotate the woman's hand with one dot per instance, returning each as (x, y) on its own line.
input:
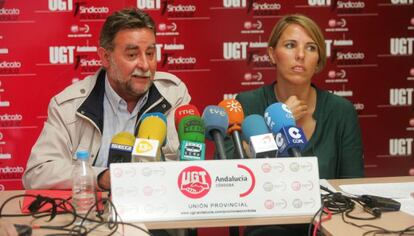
(298, 107)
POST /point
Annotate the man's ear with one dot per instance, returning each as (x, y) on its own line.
(270, 51)
(104, 56)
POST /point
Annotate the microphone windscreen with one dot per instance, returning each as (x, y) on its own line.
(191, 128)
(235, 112)
(124, 138)
(184, 110)
(121, 147)
(153, 127)
(254, 125)
(215, 118)
(157, 114)
(277, 116)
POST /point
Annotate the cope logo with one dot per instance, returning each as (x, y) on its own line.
(194, 182)
(295, 134)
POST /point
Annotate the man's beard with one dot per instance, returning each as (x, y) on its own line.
(127, 85)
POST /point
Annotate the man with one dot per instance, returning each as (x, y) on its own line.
(87, 114)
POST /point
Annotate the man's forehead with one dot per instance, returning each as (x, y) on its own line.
(136, 47)
(138, 37)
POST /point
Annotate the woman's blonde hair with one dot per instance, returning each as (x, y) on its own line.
(311, 28)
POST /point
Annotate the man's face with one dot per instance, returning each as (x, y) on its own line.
(132, 63)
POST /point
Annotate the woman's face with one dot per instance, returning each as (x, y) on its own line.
(296, 55)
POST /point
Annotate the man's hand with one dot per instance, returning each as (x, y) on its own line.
(298, 107)
(104, 180)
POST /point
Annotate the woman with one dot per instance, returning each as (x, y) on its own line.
(330, 123)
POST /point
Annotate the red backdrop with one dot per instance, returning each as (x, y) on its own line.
(218, 47)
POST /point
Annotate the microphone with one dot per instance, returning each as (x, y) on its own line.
(151, 134)
(216, 122)
(278, 115)
(261, 142)
(121, 147)
(290, 139)
(236, 115)
(191, 135)
(156, 114)
(184, 110)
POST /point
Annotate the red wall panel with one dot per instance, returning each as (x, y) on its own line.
(218, 47)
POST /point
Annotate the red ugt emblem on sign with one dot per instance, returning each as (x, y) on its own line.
(194, 182)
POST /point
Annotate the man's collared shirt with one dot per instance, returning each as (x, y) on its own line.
(117, 118)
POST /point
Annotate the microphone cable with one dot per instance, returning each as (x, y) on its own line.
(60, 206)
(337, 203)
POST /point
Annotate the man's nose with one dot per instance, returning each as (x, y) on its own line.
(143, 63)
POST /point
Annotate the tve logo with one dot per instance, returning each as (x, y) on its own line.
(61, 54)
(319, 2)
(194, 182)
(401, 46)
(216, 110)
(149, 4)
(401, 96)
(402, 2)
(234, 50)
(401, 146)
(234, 3)
(60, 5)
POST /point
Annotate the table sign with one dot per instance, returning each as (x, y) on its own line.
(189, 190)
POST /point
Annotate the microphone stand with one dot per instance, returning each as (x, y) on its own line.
(237, 144)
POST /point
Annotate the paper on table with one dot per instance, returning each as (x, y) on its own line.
(397, 191)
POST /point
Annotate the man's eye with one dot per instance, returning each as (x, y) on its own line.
(131, 55)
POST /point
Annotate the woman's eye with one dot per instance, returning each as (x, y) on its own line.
(289, 45)
(312, 48)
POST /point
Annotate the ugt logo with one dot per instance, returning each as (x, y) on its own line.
(194, 182)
